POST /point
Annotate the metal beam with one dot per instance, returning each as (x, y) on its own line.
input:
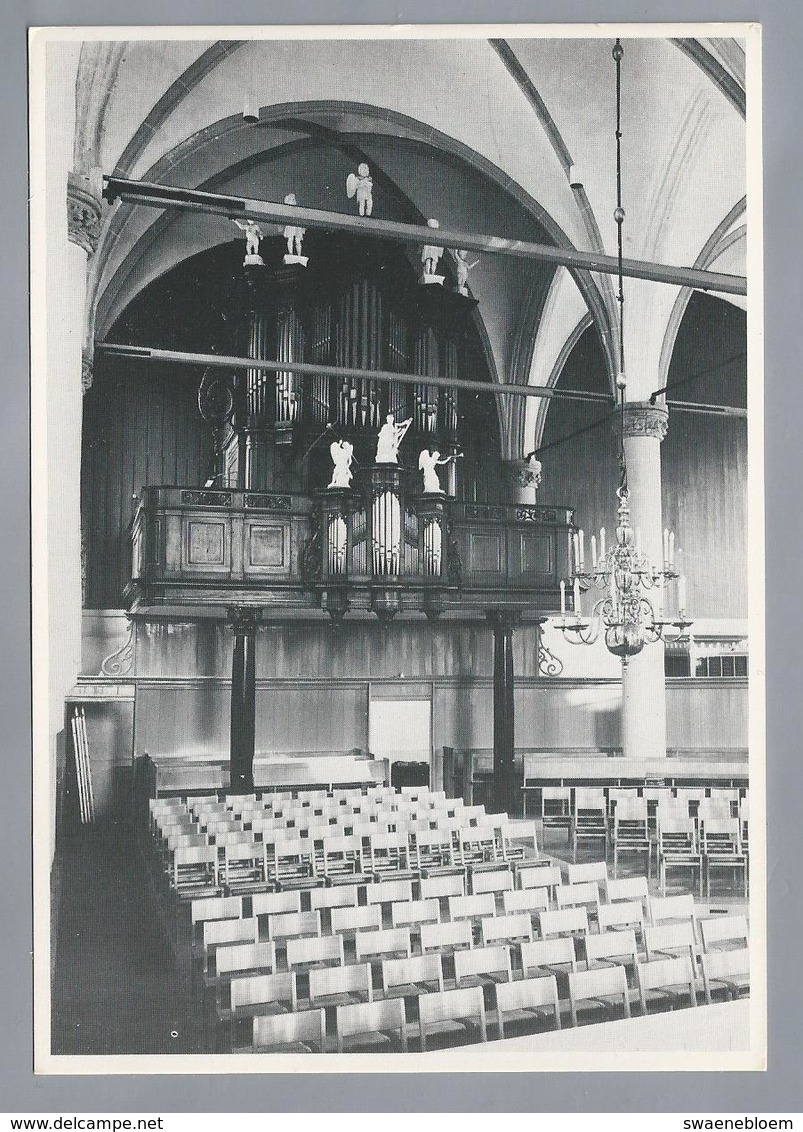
(166, 196)
(222, 361)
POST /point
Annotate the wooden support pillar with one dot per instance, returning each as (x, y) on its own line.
(503, 622)
(244, 623)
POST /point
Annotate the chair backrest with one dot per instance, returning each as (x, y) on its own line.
(542, 877)
(527, 994)
(217, 932)
(341, 980)
(663, 937)
(494, 880)
(592, 871)
(574, 920)
(449, 884)
(365, 918)
(191, 856)
(724, 965)
(370, 1017)
(216, 908)
(311, 949)
(589, 798)
(665, 908)
(291, 925)
(628, 888)
(677, 834)
(471, 907)
(625, 913)
(437, 936)
(665, 973)
(183, 840)
(256, 989)
(596, 983)
(387, 891)
(416, 969)
(245, 957)
(462, 1003)
(415, 912)
(574, 895)
(517, 926)
(382, 942)
(723, 929)
(272, 1030)
(547, 953)
(610, 945)
(339, 896)
(272, 903)
(482, 961)
(720, 836)
(529, 900)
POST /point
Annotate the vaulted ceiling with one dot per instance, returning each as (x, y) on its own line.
(479, 133)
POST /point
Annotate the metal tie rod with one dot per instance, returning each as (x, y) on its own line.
(167, 196)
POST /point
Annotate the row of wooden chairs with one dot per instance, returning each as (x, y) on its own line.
(459, 1014)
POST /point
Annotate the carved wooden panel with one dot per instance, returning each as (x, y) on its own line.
(267, 546)
(536, 554)
(486, 552)
(206, 544)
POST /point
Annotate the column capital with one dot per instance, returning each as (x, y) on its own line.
(87, 362)
(643, 419)
(523, 473)
(243, 618)
(84, 212)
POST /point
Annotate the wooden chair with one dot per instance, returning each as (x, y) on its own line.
(564, 921)
(723, 930)
(209, 908)
(385, 943)
(625, 914)
(274, 903)
(390, 855)
(217, 933)
(294, 925)
(302, 1032)
(666, 983)
(532, 900)
(308, 952)
(671, 940)
(349, 921)
(472, 907)
(541, 875)
(721, 848)
(630, 833)
(585, 895)
(194, 869)
(598, 989)
(413, 913)
(263, 994)
(549, 956)
(726, 971)
(446, 938)
(678, 848)
(556, 808)
(341, 986)
(243, 864)
(388, 891)
(451, 1014)
(627, 889)
(526, 1002)
(515, 928)
(372, 1026)
(242, 958)
(606, 948)
(420, 974)
(341, 896)
(590, 871)
(493, 880)
(441, 886)
(341, 859)
(674, 909)
(482, 966)
(589, 820)
(290, 861)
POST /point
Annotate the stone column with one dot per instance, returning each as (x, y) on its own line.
(503, 622)
(244, 623)
(643, 680)
(523, 478)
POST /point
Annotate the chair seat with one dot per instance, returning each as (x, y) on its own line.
(484, 980)
(524, 1014)
(411, 990)
(341, 998)
(674, 994)
(287, 1047)
(371, 1039)
(733, 985)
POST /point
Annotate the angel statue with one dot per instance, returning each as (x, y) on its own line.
(361, 185)
(293, 234)
(430, 255)
(428, 461)
(463, 268)
(389, 439)
(253, 234)
(342, 454)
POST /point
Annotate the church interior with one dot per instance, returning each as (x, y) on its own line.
(397, 592)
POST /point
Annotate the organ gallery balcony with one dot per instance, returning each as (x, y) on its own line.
(375, 546)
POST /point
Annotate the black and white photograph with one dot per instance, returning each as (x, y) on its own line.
(397, 548)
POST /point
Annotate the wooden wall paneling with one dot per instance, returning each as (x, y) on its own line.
(707, 713)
